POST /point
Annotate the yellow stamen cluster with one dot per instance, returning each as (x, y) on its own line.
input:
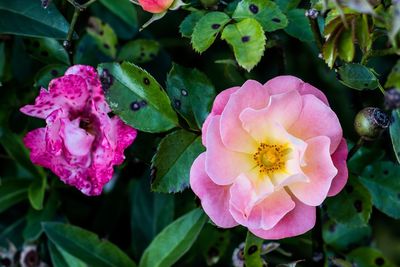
(271, 158)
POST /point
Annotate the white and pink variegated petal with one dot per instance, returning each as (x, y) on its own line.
(43, 107)
(76, 140)
(125, 135)
(70, 92)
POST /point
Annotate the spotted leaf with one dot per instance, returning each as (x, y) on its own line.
(136, 97)
(207, 29)
(248, 41)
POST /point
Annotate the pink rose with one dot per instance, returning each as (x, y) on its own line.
(274, 153)
(155, 6)
(80, 143)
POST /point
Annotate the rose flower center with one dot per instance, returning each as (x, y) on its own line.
(271, 158)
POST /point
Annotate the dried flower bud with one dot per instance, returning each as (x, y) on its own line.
(238, 256)
(371, 122)
(7, 255)
(29, 256)
(392, 98)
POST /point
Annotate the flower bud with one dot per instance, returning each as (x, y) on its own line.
(155, 6)
(371, 122)
(392, 98)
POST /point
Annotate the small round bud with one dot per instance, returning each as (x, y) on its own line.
(46, 3)
(67, 44)
(371, 122)
(392, 99)
(312, 13)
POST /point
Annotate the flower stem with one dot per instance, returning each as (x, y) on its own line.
(312, 16)
(73, 23)
(381, 88)
(252, 250)
(68, 41)
(355, 148)
(83, 6)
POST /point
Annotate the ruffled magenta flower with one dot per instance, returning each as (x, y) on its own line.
(80, 142)
(155, 6)
(274, 153)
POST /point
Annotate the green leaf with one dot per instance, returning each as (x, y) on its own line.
(357, 76)
(29, 18)
(394, 133)
(357, 200)
(346, 47)
(14, 147)
(104, 36)
(173, 160)
(394, 11)
(266, 12)
(12, 191)
(207, 29)
(192, 93)
(60, 258)
(150, 213)
(329, 49)
(123, 10)
(362, 33)
(12, 233)
(36, 192)
(286, 5)
(139, 51)
(87, 52)
(186, 27)
(2, 61)
(393, 79)
(135, 96)
(382, 180)
(48, 73)
(17, 151)
(363, 157)
(86, 245)
(299, 26)
(33, 229)
(174, 241)
(342, 237)
(367, 257)
(248, 41)
(213, 243)
(46, 50)
(252, 250)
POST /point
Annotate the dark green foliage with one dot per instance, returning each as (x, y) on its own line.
(163, 81)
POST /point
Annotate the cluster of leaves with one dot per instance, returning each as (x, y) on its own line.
(243, 24)
(168, 104)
